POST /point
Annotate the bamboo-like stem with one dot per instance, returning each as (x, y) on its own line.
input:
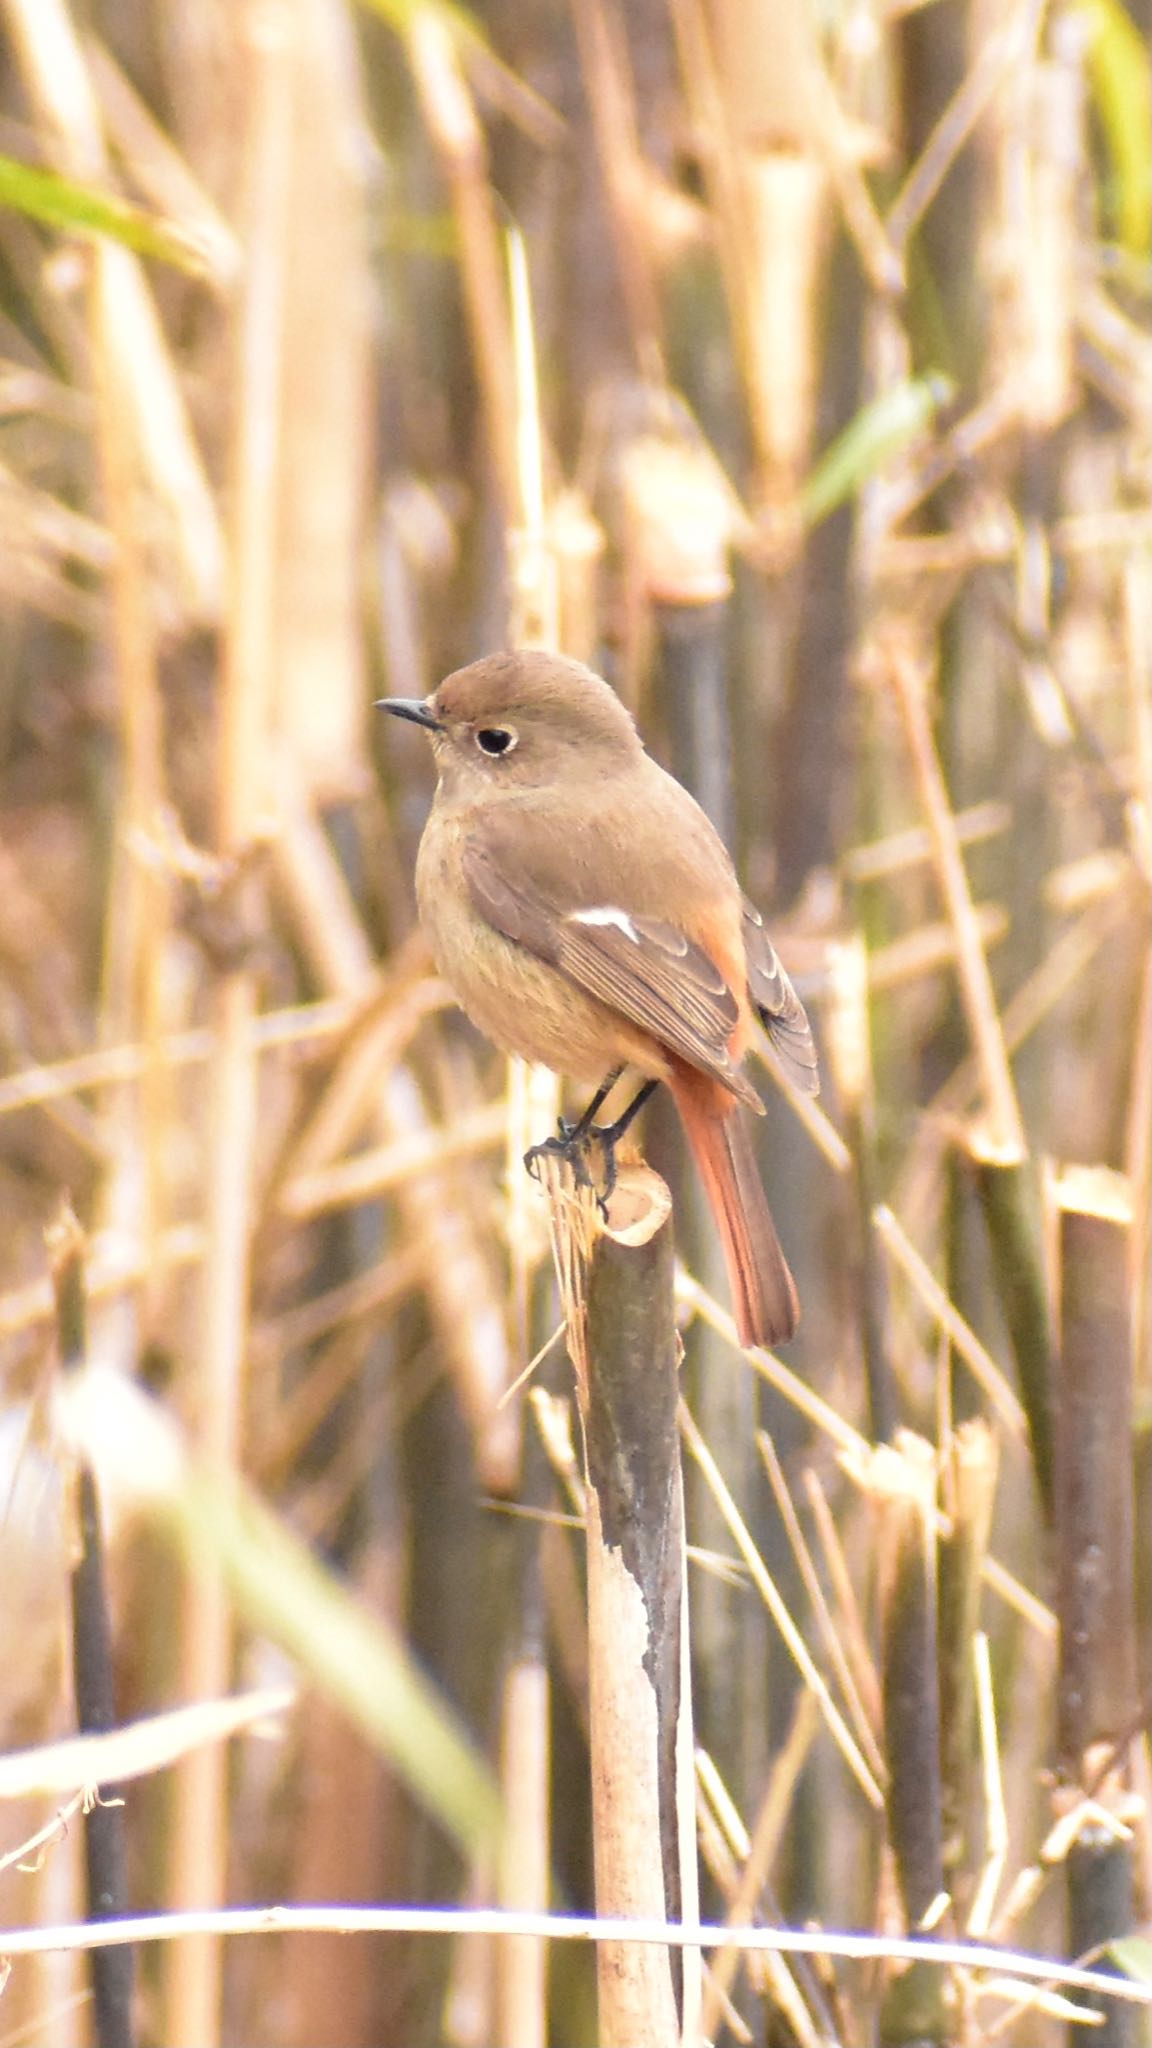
(1102, 1909)
(1097, 1682)
(904, 1486)
(1008, 1198)
(640, 1706)
(1098, 1689)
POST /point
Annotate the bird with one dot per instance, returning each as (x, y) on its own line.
(587, 915)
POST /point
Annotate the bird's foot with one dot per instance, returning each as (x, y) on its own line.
(582, 1145)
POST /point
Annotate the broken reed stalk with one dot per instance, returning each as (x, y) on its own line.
(618, 1291)
(1098, 1707)
(93, 1677)
(1009, 1200)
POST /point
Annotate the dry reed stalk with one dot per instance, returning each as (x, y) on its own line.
(115, 1268)
(996, 1831)
(855, 1450)
(382, 1030)
(456, 132)
(994, 61)
(110, 1065)
(533, 580)
(1065, 965)
(908, 682)
(834, 1647)
(775, 225)
(794, 1388)
(137, 407)
(576, 543)
(141, 1747)
(1041, 166)
(948, 1319)
(521, 1967)
(186, 532)
(199, 1847)
(158, 169)
(931, 948)
(385, 1167)
(898, 851)
(816, 1121)
(766, 1586)
(850, 1059)
(628, 180)
(1009, 1199)
(139, 893)
(851, 1633)
(758, 1852)
(325, 407)
(968, 1477)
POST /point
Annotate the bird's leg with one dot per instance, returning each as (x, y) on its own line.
(573, 1140)
(569, 1140)
(608, 1136)
(611, 1134)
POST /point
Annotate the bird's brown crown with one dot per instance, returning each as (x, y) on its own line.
(553, 694)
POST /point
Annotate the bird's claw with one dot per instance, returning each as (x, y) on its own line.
(574, 1145)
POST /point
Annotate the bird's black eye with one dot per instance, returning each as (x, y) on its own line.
(495, 739)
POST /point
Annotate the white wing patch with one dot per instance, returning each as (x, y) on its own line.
(607, 914)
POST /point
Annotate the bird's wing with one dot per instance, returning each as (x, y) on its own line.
(643, 967)
(779, 1007)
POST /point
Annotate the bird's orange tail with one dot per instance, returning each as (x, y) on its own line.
(763, 1291)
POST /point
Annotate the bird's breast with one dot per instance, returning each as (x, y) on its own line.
(524, 1005)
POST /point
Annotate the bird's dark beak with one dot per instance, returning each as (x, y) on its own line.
(417, 709)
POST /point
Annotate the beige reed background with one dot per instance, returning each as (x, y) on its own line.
(791, 363)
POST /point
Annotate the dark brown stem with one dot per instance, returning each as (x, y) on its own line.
(1097, 1694)
(1006, 1189)
(105, 1844)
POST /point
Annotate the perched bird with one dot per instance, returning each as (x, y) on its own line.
(587, 915)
